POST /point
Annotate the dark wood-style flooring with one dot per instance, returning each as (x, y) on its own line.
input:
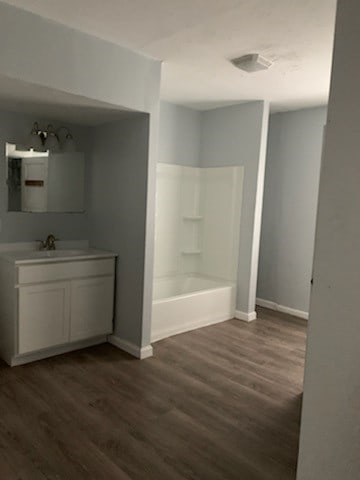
(221, 402)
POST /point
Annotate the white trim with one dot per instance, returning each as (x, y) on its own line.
(294, 312)
(245, 317)
(134, 350)
(266, 304)
(187, 327)
(282, 308)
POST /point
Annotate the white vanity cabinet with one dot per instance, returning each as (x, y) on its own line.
(54, 304)
(43, 316)
(91, 299)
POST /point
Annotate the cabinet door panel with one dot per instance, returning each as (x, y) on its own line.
(92, 302)
(44, 316)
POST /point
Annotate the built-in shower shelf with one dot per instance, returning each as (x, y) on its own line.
(192, 217)
(191, 252)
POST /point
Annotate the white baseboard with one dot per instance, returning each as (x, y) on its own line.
(59, 350)
(266, 304)
(245, 317)
(138, 352)
(282, 308)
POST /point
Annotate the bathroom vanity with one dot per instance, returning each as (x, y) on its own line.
(53, 302)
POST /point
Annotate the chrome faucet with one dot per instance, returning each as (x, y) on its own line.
(49, 243)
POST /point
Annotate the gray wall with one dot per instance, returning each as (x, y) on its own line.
(117, 213)
(79, 64)
(290, 204)
(22, 227)
(228, 136)
(237, 135)
(179, 135)
(75, 62)
(330, 426)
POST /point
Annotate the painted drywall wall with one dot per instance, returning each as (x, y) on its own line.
(117, 212)
(330, 433)
(290, 205)
(145, 320)
(22, 227)
(179, 135)
(66, 169)
(74, 62)
(231, 136)
(79, 64)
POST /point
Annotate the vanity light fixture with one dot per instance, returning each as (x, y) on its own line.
(51, 142)
(50, 139)
(36, 140)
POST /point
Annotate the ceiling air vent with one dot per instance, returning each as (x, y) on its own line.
(253, 62)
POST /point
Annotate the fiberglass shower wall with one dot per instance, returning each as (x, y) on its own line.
(197, 225)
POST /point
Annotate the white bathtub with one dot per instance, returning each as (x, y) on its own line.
(185, 302)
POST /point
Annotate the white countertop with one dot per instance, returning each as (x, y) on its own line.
(50, 256)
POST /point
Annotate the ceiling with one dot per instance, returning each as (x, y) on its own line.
(196, 38)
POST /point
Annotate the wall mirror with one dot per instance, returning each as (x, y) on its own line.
(44, 181)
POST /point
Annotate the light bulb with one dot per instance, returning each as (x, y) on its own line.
(52, 141)
(69, 144)
(34, 139)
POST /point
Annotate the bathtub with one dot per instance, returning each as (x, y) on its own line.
(186, 302)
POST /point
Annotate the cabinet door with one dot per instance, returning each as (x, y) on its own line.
(44, 316)
(92, 302)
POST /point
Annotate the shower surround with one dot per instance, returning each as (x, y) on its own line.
(197, 232)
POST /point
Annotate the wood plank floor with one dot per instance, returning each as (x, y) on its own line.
(221, 402)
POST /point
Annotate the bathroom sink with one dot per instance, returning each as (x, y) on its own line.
(62, 255)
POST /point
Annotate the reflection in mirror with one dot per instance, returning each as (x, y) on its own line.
(43, 181)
